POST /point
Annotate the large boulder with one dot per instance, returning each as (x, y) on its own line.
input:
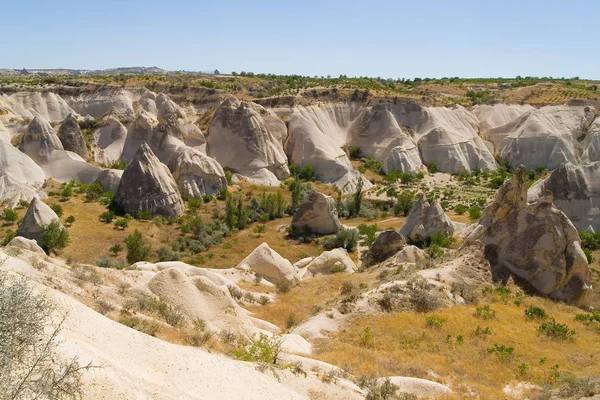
(38, 216)
(26, 244)
(269, 264)
(147, 184)
(109, 139)
(317, 214)
(426, 219)
(332, 261)
(534, 242)
(386, 245)
(196, 173)
(240, 140)
(19, 174)
(109, 179)
(71, 137)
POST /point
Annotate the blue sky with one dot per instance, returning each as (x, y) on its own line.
(391, 39)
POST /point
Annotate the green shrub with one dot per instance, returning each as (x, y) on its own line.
(264, 350)
(475, 212)
(70, 220)
(136, 251)
(404, 203)
(432, 167)
(166, 253)
(122, 224)
(503, 352)
(55, 236)
(485, 312)
(107, 217)
(555, 330)
(228, 177)
(307, 173)
(434, 321)
(479, 331)
(460, 209)
(533, 312)
(116, 249)
(369, 231)
(145, 215)
(57, 208)
(345, 238)
(8, 236)
(94, 192)
(10, 215)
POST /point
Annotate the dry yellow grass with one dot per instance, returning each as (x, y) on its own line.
(403, 344)
(300, 300)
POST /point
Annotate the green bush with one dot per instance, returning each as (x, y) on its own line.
(307, 173)
(166, 253)
(346, 238)
(145, 215)
(10, 215)
(55, 236)
(369, 231)
(228, 177)
(70, 220)
(136, 251)
(264, 350)
(57, 208)
(94, 192)
(485, 312)
(434, 322)
(533, 312)
(122, 224)
(404, 203)
(107, 217)
(475, 212)
(555, 330)
(433, 167)
(116, 249)
(460, 209)
(503, 352)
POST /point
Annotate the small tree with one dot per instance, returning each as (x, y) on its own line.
(69, 220)
(122, 224)
(10, 215)
(404, 203)
(136, 251)
(107, 217)
(307, 173)
(30, 366)
(116, 249)
(55, 236)
(357, 199)
(259, 230)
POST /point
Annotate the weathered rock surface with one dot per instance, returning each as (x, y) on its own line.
(19, 174)
(196, 173)
(547, 136)
(410, 255)
(147, 184)
(386, 245)
(318, 214)
(332, 261)
(71, 137)
(26, 244)
(239, 139)
(535, 242)
(199, 297)
(109, 179)
(269, 264)
(307, 145)
(576, 192)
(40, 140)
(109, 140)
(455, 153)
(425, 220)
(38, 215)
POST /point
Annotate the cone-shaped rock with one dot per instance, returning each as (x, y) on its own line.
(40, 140)
(71, 137)
(425, 220)
(386, 245)
(147, 184)
(318, 214)
(196, 173)
(37, 216)
(535, 242)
